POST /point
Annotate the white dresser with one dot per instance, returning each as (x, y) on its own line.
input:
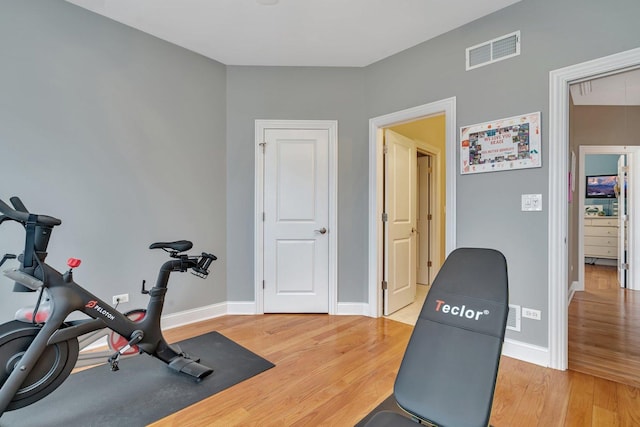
(601, 237)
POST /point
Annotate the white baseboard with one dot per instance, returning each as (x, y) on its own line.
(353, 308)
(526, 352)
(575, 286)
(241, 307)
(244, 307)
(186, 317)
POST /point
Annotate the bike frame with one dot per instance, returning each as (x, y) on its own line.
(66, 297)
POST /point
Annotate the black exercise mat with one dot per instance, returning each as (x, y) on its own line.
(389, 404)
(144, 390)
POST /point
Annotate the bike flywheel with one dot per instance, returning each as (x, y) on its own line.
(53, 367)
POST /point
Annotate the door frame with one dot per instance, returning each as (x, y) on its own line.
(376, 168)
(258, 259)
(435, 199)
(558, 289)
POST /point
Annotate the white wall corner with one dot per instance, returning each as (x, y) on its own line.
(526, 352)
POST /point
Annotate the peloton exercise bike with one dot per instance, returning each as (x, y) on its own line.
(37, 355)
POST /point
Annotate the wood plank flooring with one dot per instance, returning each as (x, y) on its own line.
(604, 328)
(333, 370)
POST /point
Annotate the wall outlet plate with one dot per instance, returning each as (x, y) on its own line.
(119, 299)
(530, 313)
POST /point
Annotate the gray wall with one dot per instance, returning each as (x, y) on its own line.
(298, 93)
(120, 135)
(555, 34)
(127, 121)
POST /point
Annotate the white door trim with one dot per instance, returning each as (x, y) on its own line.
(332, 127)
(376, 167)
(558, 143)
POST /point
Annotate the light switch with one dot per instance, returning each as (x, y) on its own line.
(531, 202)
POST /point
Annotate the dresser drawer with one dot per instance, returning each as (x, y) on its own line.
(601, 251)
(600, 241)
(601, 231)
(603, 222)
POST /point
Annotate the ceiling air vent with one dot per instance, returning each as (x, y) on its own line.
(494, 50)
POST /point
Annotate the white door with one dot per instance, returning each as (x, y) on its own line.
(423, 219)
(622, 222)
(296, 220)
(400, 227)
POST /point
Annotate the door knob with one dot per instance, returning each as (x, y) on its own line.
(321, 231)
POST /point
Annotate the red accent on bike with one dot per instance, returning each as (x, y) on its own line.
(73, 262)
(42, 317)
(117, 341)
(91, 304)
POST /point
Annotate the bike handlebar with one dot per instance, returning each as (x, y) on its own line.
(21, 214)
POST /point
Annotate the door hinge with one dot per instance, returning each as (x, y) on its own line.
(385, 149)
(263, 216)
(429, 217)
(263, 284)
(385, 217)
(429, 264)
(384, 285)
(624, 266)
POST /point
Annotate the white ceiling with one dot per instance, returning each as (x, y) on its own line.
(617, 89)
(350, 33)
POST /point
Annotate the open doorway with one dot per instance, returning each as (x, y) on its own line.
(603, 246)
(601, 313)
(414, 215)
(559, 256)
(445, 109)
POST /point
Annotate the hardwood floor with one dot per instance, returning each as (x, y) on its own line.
(333, 370)
(604, 328)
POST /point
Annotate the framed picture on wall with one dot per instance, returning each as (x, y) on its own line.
(499, 145)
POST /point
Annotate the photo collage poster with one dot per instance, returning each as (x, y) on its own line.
(505, 144)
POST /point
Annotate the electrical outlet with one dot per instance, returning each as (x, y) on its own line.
(119, 299)
(530, 313)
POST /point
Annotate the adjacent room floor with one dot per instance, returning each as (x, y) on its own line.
(604, 328)
(410, 313)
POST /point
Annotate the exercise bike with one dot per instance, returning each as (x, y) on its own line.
(37, 356)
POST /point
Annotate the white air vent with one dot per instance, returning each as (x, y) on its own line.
(494, 50)
(513, 318)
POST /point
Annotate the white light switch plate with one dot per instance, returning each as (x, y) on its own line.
(531, 202)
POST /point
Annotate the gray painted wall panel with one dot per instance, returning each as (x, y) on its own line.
(129, 121)
(297, 93)
(554, 34)
(119, 134)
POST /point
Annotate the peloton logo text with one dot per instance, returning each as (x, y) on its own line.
(105, 313)
(456, 310)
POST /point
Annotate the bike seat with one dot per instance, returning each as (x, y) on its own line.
(178, 245)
